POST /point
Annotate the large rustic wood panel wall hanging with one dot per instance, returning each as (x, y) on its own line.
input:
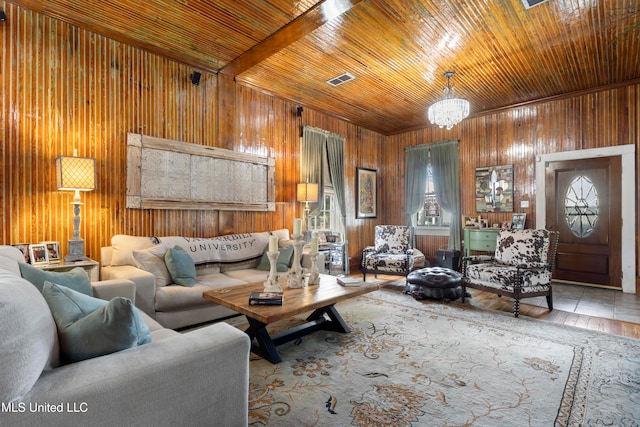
(167, 174)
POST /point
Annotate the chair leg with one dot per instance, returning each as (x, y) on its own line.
(550, 300)
(516, 307)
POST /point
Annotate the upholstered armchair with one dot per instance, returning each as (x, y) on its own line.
(521, 266)
(392, 254)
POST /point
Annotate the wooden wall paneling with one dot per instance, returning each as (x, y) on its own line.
(226, 117)
(63, 88)
(515, 136)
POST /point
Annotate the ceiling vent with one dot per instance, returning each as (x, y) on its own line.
(342, 78)
(528, 4)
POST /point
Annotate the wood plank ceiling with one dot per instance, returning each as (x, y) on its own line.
(503, 54)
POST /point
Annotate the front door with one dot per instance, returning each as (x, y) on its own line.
(583, 203)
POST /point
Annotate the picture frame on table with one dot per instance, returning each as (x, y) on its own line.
(24, 248)
(366, 193)
(518, 221)
(470, 221)
(53, 251)
(38, 254)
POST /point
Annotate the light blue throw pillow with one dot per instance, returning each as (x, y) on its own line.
(90, 327)
(75, 279)
(181, 267)
(282, 264)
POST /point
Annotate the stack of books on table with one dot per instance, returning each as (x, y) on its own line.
(349, 281)
(266, 298)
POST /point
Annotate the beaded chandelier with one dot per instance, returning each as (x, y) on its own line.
(449, 111)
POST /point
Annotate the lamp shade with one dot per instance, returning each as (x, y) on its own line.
(307, 192)
(75, 173)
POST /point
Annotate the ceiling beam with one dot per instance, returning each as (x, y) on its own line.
(304, 24)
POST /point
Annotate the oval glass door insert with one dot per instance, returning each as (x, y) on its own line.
(581, 206)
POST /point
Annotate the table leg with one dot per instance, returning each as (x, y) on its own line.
(336, 324)
(265, 345)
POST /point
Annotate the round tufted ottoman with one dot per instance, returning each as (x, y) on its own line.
(434, 282)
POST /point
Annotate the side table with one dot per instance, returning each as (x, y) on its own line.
(336, 254)
(90, 266)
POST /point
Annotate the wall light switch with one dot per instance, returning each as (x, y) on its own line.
(524, 203)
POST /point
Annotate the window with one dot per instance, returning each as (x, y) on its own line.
(327, 218)
(432, 219)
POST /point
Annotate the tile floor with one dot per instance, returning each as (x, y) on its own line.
(605, 303)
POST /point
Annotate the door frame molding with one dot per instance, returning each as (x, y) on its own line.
(628, 211)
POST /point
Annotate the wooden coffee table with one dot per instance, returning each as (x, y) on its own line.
(320, 298)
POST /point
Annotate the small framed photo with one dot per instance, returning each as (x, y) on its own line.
(470, 221)
(484, 223)
(24, 248)
(53, 251)
(38, 254)
(518, 220)
(322, 237)
(366, 193)
(506, 225)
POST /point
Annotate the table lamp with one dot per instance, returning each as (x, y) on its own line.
(75, 174)
(307, 192)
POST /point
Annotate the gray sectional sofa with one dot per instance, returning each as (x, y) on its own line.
(221, 261)
(195, 378)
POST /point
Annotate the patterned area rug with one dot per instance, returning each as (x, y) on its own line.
(410, 363)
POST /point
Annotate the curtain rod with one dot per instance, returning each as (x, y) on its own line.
(429, 145)
(326, 132)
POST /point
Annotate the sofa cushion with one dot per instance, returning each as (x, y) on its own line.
(249, 275)
(225, 249)
(152, 260)
(170, 298)
(526, 246)
(10, 258)
(181, 266)
(90, 327)
(75, 278)
(282, 263)
(124, 245)
(393, 239)
(225, 267)
(9, 264)
(504, 276)
(28, 336)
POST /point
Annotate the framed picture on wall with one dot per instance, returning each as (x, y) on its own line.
(366, 193)
(494, 189)
(53, 251)
(38, 254)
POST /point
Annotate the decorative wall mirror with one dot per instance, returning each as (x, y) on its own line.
(494, 189)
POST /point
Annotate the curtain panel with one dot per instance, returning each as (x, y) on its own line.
(445, 167)
(317, 148)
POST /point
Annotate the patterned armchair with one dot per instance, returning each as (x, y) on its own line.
(392, 254)
(520, 268)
